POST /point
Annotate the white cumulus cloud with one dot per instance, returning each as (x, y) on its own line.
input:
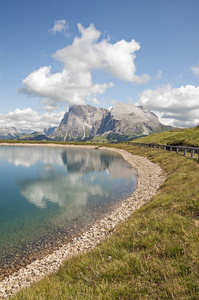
(59, 26)
(195, 70)
(29, 119)
(174, 106)
(87, 53)
(159, 75)
(69, 87)
(74, 84)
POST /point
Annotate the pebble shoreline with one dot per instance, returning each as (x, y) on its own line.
(150, 177)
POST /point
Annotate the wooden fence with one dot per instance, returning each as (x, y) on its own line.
(191, 150)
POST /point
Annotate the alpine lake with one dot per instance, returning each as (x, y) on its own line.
(49, 195)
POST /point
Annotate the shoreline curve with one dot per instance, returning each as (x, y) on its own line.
(150, 178)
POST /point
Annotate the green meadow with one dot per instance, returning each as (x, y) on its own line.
(180, 137)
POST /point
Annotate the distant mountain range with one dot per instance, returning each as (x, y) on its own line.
(11, 133)
(7, 133)
(84, 122)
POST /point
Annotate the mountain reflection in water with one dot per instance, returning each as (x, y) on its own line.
(48, 194)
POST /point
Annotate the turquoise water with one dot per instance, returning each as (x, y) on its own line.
(49, 195)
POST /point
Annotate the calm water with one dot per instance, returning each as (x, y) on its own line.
(49, 195)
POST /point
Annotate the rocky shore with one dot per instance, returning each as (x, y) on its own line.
(150, 177)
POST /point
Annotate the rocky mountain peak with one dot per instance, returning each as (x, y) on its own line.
(85, 121)
(79, 121)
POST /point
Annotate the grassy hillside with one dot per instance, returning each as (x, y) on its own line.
(113, 137)
(152, 255)
(185, 137)
(35, 136)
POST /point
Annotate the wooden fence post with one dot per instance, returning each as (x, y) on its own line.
(185, 152)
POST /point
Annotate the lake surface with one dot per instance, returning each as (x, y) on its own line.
(48, 195)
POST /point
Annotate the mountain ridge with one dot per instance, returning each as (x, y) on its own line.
(86, 121)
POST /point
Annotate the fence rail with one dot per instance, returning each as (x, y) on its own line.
(170, 148)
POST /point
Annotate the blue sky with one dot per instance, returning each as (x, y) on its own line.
(54, 54)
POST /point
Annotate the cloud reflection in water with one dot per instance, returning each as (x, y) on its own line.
(65, 174)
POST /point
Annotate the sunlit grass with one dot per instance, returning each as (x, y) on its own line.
(186, 137)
